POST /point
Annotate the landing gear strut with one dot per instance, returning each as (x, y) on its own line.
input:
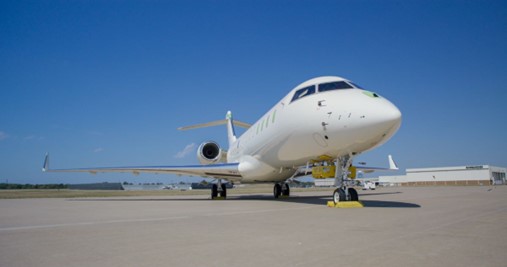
(215, 192)
(343, 191)
(281, 190)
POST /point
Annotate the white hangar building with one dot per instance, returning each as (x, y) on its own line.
(461, 175)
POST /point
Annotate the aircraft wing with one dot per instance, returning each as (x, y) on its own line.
(227, 171)
(392, 167)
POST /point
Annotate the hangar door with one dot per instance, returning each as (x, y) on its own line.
(498, 177)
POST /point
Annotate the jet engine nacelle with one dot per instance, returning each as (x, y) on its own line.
(210, 152)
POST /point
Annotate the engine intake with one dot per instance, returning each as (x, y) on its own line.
(210, 152)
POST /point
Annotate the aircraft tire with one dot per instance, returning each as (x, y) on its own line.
(214, 191)
(353, 194)
(339, 195)
(224, 191)
(277, 190)
(286, 190)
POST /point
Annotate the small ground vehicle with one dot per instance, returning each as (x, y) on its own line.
(368, 185)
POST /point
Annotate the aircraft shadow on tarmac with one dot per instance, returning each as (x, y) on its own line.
(320, 200)
(379, 193)
(309, 200)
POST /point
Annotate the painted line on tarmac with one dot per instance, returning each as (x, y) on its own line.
(45, 226)
(31, 227)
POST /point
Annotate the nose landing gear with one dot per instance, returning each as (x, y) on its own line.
(343, 193)
(340, 195)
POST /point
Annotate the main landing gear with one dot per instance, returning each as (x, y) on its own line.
(218, 190)
(281, 190)
(343, 191)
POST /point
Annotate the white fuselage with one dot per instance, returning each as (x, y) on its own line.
(322, 124)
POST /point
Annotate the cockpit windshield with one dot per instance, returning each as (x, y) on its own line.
(356, 85)
(323, 87)
(334, 86)
(303, 92)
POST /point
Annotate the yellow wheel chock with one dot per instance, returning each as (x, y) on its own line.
(345, 204)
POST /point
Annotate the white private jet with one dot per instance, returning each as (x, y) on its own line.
(325, 121)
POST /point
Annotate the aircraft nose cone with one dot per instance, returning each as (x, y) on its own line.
(389, 117)
(392, 115)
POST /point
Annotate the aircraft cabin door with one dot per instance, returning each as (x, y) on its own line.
(330, 118)
(324, 115)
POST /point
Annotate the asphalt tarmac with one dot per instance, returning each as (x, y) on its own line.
(430, 226)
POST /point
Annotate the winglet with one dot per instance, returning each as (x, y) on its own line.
(45, 167)
(392, 164)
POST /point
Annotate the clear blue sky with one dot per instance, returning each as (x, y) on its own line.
(106, 83)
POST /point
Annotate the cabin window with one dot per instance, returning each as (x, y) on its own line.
(303, 92)
(334, 86)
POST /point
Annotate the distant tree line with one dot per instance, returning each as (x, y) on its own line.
(127, 183)
(32, 186)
